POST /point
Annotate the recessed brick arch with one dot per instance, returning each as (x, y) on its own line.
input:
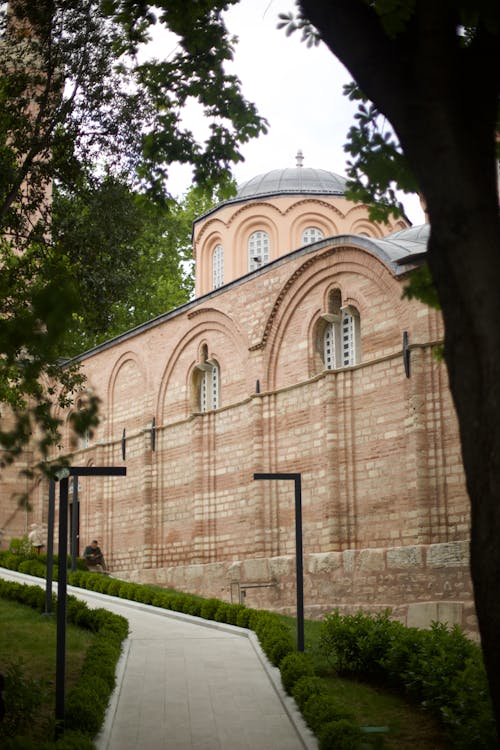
(204, 256)
(210, 226)
(225, 343)
(317, 205)
(262, 221)
(251, 209)
(310, 218)
(127, 387)
(316, 276)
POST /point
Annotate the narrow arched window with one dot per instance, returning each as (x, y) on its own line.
(258, 249)
(207, 382)
(340, 333)
(215, 386)
(329, 358)
(311, 234)
(348, 339)
(218, 267)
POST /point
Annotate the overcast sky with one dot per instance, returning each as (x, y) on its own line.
(297, 89)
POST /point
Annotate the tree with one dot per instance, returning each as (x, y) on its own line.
(132, 259)
(431, 68)
(84, 118)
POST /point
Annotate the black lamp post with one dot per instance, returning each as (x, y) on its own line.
(299, 568)
(62, 587)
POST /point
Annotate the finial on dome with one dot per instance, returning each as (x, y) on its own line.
(300, 158)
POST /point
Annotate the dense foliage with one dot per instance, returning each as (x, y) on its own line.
(89, 127)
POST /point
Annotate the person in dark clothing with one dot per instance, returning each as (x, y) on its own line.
(94, 558)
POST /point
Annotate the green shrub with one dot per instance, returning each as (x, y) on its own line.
(209, 608)
(222, 612)
(22, 697)
(162, 599)
(11, 561)
(293, 667)
(255, 616)
(76, 578)
(279, 649)
(322, 708)
(439, 668)
(126, 590)
(193, 606)
(113, 586)
(178, 602)
(233, 613)
(307, 686)
(21, 546)
(261, 620)
(70, 740)
(275, 640)
(358, 644)
(33, 568)
(340, 735)
(144, 594)
(243, 616)
(84, 709)
(470, 697)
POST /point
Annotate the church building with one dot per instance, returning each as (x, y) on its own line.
(298, 354)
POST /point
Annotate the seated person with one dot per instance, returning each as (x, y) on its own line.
(94, 558)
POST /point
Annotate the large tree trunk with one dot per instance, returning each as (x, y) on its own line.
(442, 101)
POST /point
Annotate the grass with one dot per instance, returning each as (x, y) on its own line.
(29, 638)
(373, 705)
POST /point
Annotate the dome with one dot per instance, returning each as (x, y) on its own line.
(292, 181)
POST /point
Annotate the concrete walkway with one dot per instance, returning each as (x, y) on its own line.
(184, 683)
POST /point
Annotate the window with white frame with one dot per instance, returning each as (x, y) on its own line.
(340, 334)
(329, 347)
(348, 339)
(258, 249)
(209, 386)
(311, 234)
(218, 267)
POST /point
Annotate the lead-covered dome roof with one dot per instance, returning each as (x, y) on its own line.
(292, 181)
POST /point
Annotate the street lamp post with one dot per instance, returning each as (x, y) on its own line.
(299, 568)
(62, 587)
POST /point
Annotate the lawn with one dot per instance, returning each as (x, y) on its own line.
(29, 640)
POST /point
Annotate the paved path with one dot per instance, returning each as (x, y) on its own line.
(184, 683)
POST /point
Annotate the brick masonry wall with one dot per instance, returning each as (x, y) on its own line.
(383, 487)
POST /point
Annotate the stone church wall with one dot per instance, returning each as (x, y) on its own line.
(385, 511)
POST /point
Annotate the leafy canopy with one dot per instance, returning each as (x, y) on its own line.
(88, 128)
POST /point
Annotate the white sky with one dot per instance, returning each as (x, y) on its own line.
(297, 89)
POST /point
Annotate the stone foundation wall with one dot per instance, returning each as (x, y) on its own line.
(419, 583)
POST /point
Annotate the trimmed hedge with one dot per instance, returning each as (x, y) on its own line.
(86, 703)
(14, 560)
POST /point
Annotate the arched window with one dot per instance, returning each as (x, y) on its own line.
(258, 249)
(210, 387)
(207, 383)
(348, 339)
(84, 440)
(329, 347)
(341, 334)
(311, 234)
(218, 267)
